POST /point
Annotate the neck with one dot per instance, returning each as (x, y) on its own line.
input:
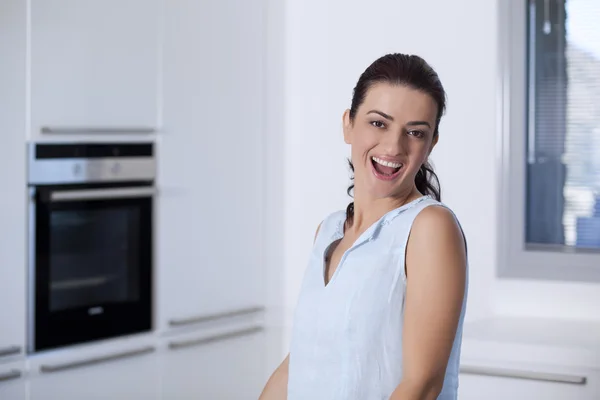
(368, 210)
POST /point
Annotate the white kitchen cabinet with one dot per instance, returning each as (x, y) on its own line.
(523, 358)
(104, 372)
(210, 164)
(228, 365)
(13, 200)
(94, 65)
(529, 383)
(12, 381)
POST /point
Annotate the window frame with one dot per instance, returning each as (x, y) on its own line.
(515, 258)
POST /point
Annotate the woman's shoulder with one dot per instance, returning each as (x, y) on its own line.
(331, 223)
(437, 219)
(432, 211)
(335, 217)
(436, 215)
(426, 214)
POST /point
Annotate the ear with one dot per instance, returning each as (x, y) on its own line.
(347, 125)
(434, 142)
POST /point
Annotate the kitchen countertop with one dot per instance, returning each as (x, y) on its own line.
(538, 341)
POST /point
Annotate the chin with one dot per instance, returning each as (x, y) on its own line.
(380, 190)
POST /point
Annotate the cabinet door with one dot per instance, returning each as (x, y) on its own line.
(13, 200)
(229, 365)
(12, 382)
(210, 212)
(527, 384)
(124, 373)
(94, 64)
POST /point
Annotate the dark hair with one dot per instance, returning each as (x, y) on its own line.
(411, 71)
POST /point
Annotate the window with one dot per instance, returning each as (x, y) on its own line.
(550, 86)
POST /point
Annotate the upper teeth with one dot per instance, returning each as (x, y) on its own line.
(387, 163)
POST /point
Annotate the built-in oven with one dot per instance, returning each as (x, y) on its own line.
(90, 241)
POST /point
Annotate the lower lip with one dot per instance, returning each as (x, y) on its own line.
(385, 177)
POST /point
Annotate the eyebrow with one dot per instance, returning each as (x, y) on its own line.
(390, 118)
(384, 115)
(415, 123)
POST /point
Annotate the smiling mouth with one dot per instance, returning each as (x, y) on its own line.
(385, 169)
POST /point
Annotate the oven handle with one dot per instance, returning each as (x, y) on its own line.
(101, 194)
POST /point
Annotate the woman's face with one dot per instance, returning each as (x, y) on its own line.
(390, 137)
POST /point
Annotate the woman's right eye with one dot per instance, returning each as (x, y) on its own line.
(378, 124)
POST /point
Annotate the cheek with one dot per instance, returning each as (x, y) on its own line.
(419, 153)
(363, 141)
(424, 153)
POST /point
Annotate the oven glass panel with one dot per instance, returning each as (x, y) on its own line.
(94, 257)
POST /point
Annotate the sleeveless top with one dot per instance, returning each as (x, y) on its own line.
(347, 335)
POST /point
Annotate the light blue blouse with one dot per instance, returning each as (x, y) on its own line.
(347, 335)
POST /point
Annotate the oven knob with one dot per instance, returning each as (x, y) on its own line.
(116, 168)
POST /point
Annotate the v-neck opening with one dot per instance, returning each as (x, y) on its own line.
(327, 266)
(366, 236)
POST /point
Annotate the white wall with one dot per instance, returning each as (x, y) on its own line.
(326, 47)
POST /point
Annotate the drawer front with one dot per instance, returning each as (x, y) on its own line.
(12, 381)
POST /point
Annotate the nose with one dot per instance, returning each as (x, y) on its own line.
(394, 143)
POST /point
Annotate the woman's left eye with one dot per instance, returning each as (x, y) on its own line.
(418, 134)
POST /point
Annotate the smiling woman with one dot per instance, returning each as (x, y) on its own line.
(382, 303)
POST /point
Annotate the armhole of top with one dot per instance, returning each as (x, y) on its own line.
(410, 227)
(317, 232)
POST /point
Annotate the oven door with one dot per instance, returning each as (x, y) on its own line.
(91, 264)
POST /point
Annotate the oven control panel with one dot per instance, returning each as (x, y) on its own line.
(51, 163)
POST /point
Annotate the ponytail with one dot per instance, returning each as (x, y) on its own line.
(427, 182)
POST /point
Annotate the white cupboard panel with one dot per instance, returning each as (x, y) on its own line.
(106, 373)
(210, 164)
(227, 366)
(94, 64)
(13, 200)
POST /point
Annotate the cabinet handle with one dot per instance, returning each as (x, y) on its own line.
(10, 351)
(520, 374)
(92, 130)
(212, 317)
(96, 360)
(7, 376)
(215, 338)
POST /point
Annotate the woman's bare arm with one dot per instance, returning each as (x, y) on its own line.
(436, 278)
(276, 387)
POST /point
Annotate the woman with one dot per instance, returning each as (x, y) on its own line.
(382, 303)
